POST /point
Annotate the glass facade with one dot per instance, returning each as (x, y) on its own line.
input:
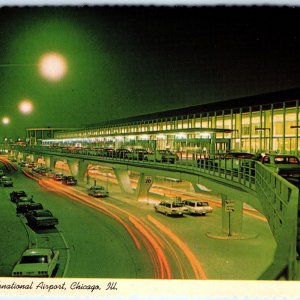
(257, 128)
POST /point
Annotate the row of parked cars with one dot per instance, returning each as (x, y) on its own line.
(133, 154)
(34, 262)
(36, 215)
(178, 207)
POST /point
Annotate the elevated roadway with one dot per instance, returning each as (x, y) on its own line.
(272, 195)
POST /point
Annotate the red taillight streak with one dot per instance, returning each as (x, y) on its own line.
(68, 192)
(164, 269)
(195, 264)
(164, 265)
(7, 166)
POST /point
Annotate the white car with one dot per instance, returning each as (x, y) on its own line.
(36, 263)
(171, 208)
(197, 207)
(98, 191)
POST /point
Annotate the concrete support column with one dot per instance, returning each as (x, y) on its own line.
(144, 184)
(47, 161)
(232, 221)
(78, 168)
(50, 162)
(35, 158)
(123, 181)
(73, 166)
(232, 216)
(24, 156)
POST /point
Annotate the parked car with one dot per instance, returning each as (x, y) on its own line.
(108, 152)
(31, 165)
(36, 262)
(171, 208)
(197, 207)
(41, 218)
(26, 206)
(233, 160)
(287, 166)
(98, 191)
(23, 163)
(15, 195)
(25, 199)
(58, 176)
(121, 153)
(69, 180)
(161, 156)
(136, 154)
(6, 181)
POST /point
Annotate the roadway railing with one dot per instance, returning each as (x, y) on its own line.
(278, 197)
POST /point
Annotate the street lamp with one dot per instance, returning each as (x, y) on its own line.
(5, 120)
(52, 66)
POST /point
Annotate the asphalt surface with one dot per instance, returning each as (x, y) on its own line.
(106, 251)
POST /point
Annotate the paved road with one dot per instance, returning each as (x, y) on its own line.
(101, 247)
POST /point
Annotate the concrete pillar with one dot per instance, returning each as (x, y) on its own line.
(50, 162)
(73, 166)
(232, 221)
(123, 181)
(24, 156)
(144, 184)
(78, 168)
(232, 216)
(35, 158)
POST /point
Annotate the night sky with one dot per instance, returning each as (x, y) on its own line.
(125, 62)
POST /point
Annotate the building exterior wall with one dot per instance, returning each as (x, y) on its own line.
(271, 127)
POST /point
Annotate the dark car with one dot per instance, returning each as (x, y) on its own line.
(58, 176)
(69, 180)
(121, 153)
(25, 207)
(6, 181)
(15, 195)
(41, 218)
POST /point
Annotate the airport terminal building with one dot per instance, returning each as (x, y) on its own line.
(268, 122)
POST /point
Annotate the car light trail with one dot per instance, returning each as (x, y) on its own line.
(5, 162)
(47, 184)
(164, 266)
(196, 266)
(153, 244)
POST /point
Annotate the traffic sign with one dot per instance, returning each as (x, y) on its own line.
(148, 180)
(229, 206)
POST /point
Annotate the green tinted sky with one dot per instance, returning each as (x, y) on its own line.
(130, 61)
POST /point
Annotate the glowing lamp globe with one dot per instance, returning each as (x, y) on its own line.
(26, 106)
(5, 120)
(52, 66)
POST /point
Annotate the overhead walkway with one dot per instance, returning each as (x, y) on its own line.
(252, 183)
